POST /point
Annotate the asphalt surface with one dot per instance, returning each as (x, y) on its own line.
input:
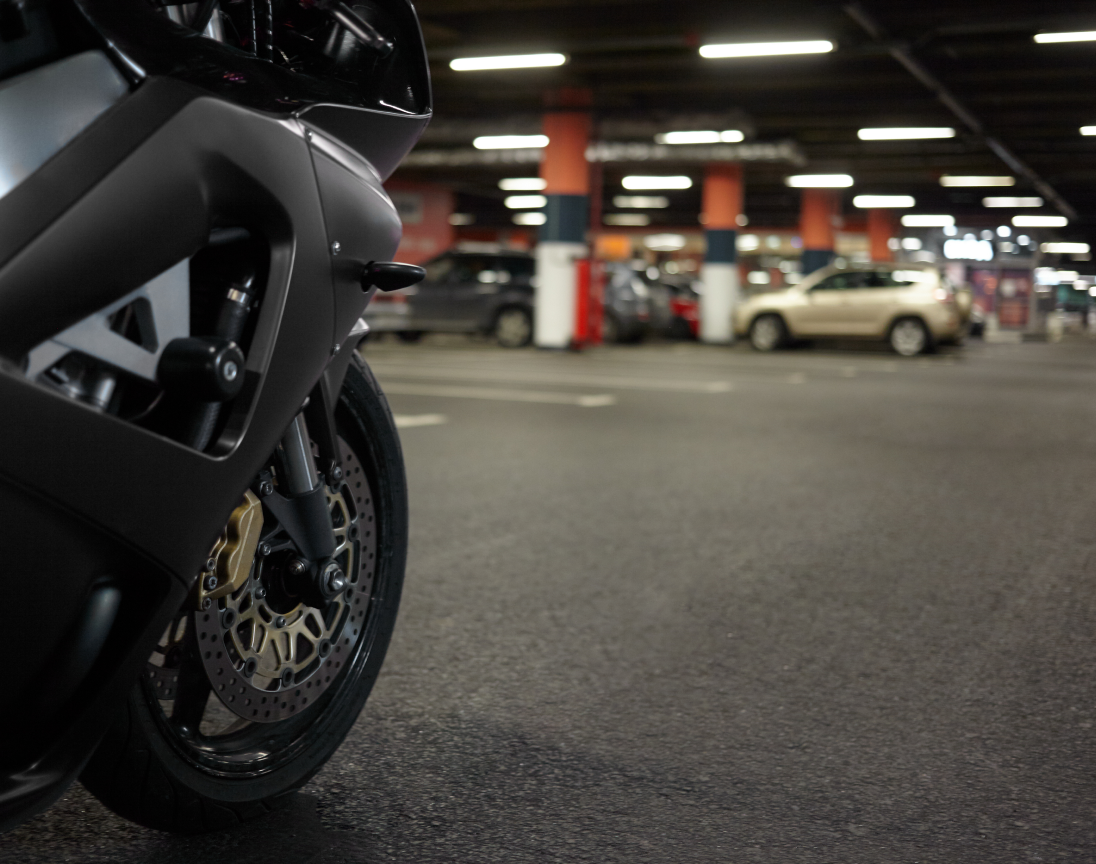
(690, 604)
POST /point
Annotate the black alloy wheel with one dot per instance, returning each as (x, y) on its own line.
(185, 756)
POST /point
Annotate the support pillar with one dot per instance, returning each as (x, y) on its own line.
(881, 230)
(563, 235)
(818, 212)
(722, 205)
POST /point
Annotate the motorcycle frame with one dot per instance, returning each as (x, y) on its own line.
(106, 524)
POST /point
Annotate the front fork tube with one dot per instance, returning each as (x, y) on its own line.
(303, 510)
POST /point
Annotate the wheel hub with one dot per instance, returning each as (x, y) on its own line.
(267, 652)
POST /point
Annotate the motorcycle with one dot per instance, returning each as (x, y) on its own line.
(202, 493)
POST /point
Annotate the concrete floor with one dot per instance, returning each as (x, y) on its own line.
(688, 604)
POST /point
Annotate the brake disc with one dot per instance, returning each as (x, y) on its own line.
(268, 656)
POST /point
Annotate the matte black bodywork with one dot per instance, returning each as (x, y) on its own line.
(104, 524)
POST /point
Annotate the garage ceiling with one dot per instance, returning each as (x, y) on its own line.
(641, 64)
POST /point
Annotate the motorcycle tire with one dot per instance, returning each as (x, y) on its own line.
(149, 772)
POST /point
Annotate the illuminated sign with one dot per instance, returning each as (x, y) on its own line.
(969, 249)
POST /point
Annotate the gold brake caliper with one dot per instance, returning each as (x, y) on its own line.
(230, 559)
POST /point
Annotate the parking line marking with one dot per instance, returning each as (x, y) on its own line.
(406, 421)
(581, 380)
(590, 400)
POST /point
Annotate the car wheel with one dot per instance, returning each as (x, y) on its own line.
(909, 337)
(409, 336)
(680, 329)
(767, 333)
(610, 330)
(514, 327)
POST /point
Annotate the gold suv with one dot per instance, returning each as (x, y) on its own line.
(912, 306)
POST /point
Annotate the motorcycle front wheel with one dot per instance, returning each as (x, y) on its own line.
(243, 702)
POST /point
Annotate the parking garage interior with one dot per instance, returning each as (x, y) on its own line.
(673, 598)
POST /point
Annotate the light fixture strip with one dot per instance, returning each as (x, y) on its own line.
(509, 142)
(865, 202)
(764, 49)
(1012, 202)
(510, 61)
(640, 182)
(954, 180)
(818, 181)
(905, 133)
(1078, 36)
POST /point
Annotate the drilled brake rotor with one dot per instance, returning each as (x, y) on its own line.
(268, 655)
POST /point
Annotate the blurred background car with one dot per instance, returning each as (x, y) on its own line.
(640, 302)
(491, 292)
(463, 292)
(913, 307)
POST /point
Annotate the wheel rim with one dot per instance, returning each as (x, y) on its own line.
(908, 338)
(765, 334)
(208, 732)
(513, 328)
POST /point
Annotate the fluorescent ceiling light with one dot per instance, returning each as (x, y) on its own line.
(1067, 275)
(925, 220)
(664, 242)
(818, 181)
(709, 137)
(765, 49)
(1080, 36)
(529, 218)
(512, 61)
(654, 202)
(525, 202)
(900, 133)
(522, 184)
(1065, 248)
(870, 201)
(1012, 202)
(951, 180)
(636, 181)
(633, 219)
(1088, 130)
(1040, 221)
(509, 142)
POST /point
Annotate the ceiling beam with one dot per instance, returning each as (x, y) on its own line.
(904, 55)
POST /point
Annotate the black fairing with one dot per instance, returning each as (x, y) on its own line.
(379, 106)
(91, 503)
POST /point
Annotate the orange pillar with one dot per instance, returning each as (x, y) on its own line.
(818, 212)
(564, 167)
(563, 235)
(722, 203)
(881, 229)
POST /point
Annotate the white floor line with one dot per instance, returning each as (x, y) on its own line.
(402, 370)
(406, 421)
(592, 400)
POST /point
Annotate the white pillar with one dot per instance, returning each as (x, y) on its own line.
(554, 302)
(718, 301)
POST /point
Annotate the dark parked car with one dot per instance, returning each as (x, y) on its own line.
(464, 292)
(492, 292)
(640, 302)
